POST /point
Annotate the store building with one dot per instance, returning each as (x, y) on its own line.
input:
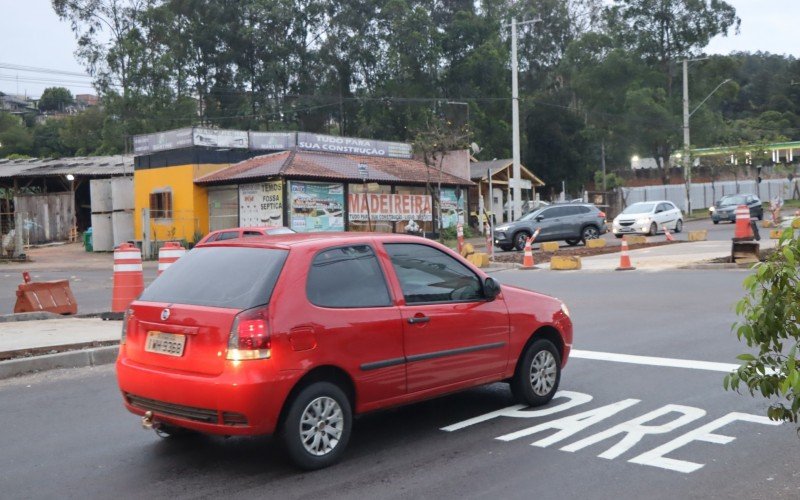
(192, 181)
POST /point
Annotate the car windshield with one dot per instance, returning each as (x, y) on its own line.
(234, 277)
(639, 208)
(733, 200)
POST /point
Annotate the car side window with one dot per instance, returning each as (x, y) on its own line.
(570, 211)
(430, 275)
(228, 235)
(251, 234)
(552, 213)
(347, 277)
(212, 238)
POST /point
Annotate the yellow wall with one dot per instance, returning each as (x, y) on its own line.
(189, 202)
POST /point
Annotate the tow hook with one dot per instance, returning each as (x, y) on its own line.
(147, 421)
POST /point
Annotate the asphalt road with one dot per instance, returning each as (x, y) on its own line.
(66, 435)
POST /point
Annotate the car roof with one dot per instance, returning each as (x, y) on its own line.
(287, 241)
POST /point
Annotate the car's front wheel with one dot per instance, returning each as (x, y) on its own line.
(317, 426)
(520, 238)
(538, 374)
(506, 248)
(572, 243)
(653, 229)
(679, 226)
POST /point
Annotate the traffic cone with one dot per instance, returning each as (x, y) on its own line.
(624, 259)
(460, 236)
(743, 229)
(527, 259)
(489, 244)
(128, 277)
(169, 253)
(666, 233)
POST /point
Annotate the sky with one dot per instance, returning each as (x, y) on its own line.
(31, 35)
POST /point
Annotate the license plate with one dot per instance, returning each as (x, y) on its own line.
(170, 344)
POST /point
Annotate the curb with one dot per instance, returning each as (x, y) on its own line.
(720, 265)
(41, 315)
(70, 359)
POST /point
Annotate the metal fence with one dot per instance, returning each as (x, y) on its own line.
(705, 194)
(182, 226)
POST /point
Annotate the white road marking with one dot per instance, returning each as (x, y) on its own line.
(654, 361)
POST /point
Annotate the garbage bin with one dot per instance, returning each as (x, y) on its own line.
(87, 240)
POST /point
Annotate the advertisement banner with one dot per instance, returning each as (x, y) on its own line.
(216, 138)
(171, 139)
(452, 208)
(349, 145)
(388, 207)
(261, 204)
(272, 141)
(316, 206)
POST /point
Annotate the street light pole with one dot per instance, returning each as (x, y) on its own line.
(687, 166)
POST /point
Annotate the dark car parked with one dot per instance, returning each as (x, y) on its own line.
(725, 208)
(573, 223)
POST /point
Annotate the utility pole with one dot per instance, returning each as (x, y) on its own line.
(687, 166)
(603, 163)
(515, 186)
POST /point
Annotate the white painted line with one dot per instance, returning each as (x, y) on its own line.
(654, 361)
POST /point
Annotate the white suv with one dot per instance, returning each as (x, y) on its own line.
(648, 217)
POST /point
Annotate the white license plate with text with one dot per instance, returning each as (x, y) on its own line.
(171, 344)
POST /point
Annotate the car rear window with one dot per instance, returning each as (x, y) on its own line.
(230, 277)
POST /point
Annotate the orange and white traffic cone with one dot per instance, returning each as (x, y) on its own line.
(624, 259)
(489, 244)
(743, 229)
(527, 259)
(460, 236)
(128, 277)
(169, 253)
(667, 234)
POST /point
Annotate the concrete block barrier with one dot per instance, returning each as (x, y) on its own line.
(479, 259)
(775, 234)
(766, 223)
(565, 263)
(550, 246)
(796, 223)
(701, 235)
(636, 240)
(598, 243)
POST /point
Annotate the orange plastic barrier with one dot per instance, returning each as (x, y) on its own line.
(128, 277)
(49, 296)
(169, 253)
(624, 258)
(743, 229)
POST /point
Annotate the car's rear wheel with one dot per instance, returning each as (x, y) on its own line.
(538, 374)
(520, 238)
(679, 226)
(618, 235)
(572, 243)
(317, 426)
(715, 221)
(590, 233)
(653, 229)
(506, 248)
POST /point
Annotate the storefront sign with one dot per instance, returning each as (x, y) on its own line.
(171, 139)
(216, 138)
(349, 145)
(316, 206)
(272, 141)
(388, 207)
(261, 204)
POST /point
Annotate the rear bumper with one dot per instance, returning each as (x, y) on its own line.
(245, 399)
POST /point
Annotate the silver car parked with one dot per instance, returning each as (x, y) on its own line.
(573, 223)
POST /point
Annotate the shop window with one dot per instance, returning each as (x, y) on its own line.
(161, 205)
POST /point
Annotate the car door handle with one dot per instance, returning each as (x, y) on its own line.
(418, 319)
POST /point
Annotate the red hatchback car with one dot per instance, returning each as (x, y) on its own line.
(294, 334)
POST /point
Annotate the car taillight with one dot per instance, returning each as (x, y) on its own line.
(125, 318)
(249, 337)
(602, 215)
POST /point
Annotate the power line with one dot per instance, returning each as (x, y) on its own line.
(34, 69)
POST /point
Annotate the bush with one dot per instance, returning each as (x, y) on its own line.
(770, 322)
(451, 233)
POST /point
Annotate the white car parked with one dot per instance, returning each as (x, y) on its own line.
(648, 217)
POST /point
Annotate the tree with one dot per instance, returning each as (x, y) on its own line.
(55, 99)
(15, 138)
(770, 323)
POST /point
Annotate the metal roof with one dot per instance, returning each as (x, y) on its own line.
(81, 166)
(478, 170)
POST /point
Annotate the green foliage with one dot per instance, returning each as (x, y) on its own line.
(451, 233)
(770, 326)
(55, 99)
(613, 181)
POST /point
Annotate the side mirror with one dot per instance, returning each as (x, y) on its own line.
(539, 218)
(491, 288)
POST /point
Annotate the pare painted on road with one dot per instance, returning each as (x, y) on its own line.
(627, 433)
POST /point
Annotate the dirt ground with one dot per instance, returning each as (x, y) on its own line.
(578, 251)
